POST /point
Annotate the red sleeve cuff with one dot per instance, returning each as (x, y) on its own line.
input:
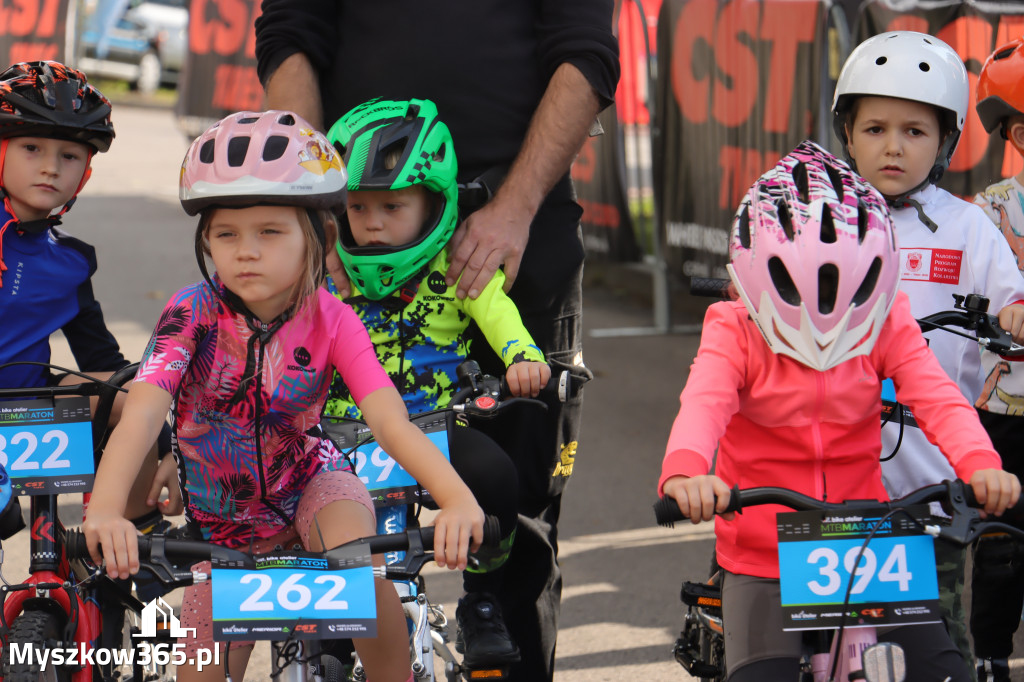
(681, 463)
(976, 460)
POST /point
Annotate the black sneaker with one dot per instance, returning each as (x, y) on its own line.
(993, 670)
(483, 639)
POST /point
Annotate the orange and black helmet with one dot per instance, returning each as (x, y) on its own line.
(1001, 86)
(49, 99)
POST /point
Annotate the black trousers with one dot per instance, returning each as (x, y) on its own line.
(997, 580)
(542, 445)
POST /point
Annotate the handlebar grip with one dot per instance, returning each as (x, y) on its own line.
(75, 545)
(667, 512)
(710, 287)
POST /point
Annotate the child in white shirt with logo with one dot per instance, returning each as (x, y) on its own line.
(899, 109)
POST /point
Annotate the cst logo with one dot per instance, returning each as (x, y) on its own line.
(302, 356)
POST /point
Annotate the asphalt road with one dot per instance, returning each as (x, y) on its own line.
(620, 611)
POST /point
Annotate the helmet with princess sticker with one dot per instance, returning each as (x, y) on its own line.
(251, 158)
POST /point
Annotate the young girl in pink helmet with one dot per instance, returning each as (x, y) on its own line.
(786, 386)
(244, 360)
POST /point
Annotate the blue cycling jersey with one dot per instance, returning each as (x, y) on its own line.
(47, 287)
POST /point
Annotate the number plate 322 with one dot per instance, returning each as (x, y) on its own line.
(46, 445)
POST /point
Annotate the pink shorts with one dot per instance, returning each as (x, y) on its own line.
(325, 488)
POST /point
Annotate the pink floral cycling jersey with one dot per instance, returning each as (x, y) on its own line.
(230, 382)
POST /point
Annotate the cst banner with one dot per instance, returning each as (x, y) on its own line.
(220, 73)
(740, 83)
(31, 30)
(981, 159)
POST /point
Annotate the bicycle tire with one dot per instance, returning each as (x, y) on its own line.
(334, 669)
(34, 631)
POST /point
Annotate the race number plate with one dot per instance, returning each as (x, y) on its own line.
(296, 595)
(46, 445)
(389, 484)
(894, 581)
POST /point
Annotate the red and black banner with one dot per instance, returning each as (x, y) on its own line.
(740, 83)
(32, 30)
(220, 72)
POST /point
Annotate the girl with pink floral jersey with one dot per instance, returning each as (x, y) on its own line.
(786, 386)
(244, 360)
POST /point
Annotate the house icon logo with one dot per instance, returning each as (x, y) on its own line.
(158, 615)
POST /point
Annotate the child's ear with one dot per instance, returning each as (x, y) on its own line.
(1015, 134)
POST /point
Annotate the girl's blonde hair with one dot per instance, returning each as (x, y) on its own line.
(305, 290)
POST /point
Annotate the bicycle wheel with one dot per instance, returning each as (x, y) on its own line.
(335, 670)
(32, 632)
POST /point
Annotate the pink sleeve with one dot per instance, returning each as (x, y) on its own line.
(711, 395)
(945, 416)
(354, 358)
(173, 345)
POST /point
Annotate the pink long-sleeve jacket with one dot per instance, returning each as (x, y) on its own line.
(777, 422)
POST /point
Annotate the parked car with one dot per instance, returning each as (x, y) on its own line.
(167, 22)
(127, 51)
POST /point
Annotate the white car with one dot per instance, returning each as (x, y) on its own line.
(167, 22)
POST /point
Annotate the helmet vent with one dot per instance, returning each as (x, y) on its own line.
(828, 227)
(287, 120)
(836, 180)
(274, 148)
(924, 66)
(881, 60)
(1004, 53)
(249, 119)
(237, 148)
(785, 219)
(868, 285)
(206, 152)
(828, 288)
(782, 281)
(412, 112)
(743, 227)
(800, 180)
(862, 222)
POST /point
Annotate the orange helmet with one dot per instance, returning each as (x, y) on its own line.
(1001, 86)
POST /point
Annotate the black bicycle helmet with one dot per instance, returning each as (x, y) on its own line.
(49, 99)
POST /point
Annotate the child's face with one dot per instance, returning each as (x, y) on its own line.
(260, 255)
(41, 174)
(387, 217)
(895, 143)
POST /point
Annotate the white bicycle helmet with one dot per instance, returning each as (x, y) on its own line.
(912, 66)
(813, 256)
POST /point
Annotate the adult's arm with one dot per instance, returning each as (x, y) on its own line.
(577, 49)
(295, 40)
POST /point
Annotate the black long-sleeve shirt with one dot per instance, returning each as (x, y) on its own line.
(485, 63)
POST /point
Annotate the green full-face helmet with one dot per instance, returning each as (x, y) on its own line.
(411, 132)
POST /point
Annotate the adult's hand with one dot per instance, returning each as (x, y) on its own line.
(494, 236)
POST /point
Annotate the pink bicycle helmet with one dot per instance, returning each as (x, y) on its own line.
(813, 255)
(270, 157)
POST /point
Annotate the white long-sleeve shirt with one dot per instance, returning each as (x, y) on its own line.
(966, 254)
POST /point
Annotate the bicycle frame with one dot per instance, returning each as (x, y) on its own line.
(50, 585)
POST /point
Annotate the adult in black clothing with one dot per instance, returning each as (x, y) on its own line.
(519, 85)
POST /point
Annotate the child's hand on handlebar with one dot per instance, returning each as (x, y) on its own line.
(696, 496)
(995, 489)
(1011, 318)
(527, 378)
(114, 539)
(458, 529)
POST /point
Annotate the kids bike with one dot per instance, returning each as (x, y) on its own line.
(63, 622)
(298, 600)
(399, 498)
(885, 551)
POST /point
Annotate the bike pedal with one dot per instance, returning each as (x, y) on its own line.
(486, 674)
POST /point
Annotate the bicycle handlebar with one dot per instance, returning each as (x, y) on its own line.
(957, 498)
(170, 559)
(970, 312)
